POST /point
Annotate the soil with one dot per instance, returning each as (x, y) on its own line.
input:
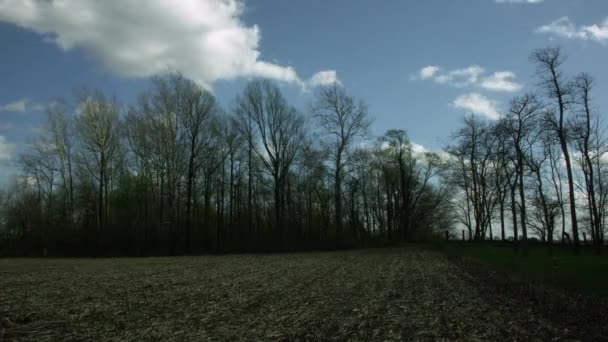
(390, 294)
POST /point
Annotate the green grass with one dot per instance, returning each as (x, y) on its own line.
(586, 272)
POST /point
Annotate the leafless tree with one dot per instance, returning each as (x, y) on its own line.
(472, 155)
(548, 62)
(342, 119)
(582, 132)
(197, 109)
(98, 128)
(61, 130)
(520, 124)
(282, 134)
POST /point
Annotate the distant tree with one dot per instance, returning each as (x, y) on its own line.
(557, 89)
(61, 131)
(342, 119)
(197, 108)
(520, 125)
(282, 134)
(582, 133)
(471, 170)
(99, 129)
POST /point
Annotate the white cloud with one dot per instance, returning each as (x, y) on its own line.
(20, 106)
(323, 78)
(518, 1)
(501, 81)
(566, 29)
(598, 32)
(6, 148)
(461, 77)
(473, 75)
(17, 106)
(418, 149)
(477, 104)
(206, 40)
(428, 71)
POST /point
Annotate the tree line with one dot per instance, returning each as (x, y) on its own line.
(174, 173)
(542, 164)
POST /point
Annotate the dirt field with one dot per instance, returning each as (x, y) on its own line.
(381, 294)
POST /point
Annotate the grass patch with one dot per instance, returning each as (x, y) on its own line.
(586, 272)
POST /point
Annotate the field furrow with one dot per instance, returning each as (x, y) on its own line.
(377, 294)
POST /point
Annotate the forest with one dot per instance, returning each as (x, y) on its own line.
(175, 173)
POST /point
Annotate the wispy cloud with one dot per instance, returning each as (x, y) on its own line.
(6, 148)
(461, 77)
(20, 106)
(323, 78)
(477, 104)
(566, 29)
(428, 72)
(471, 76)
(206, 40)
(501, 81)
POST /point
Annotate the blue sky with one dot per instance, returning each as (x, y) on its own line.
(475, 54)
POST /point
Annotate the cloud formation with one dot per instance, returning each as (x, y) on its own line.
(472, 76)
(461, 77)
(6, 148)
(564, 28)
(428, 72)
(477, 104)
(21, 106)
(323, 78)
(204, 39)
(501, 81)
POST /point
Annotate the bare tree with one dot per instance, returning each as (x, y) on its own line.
(582, 138)
(398, 150)
(503, 173)
(520, 124)
(472, 153)
(61, 132)
(548, 62)
(342, 119)
(98, 127)
(282, 134)
(196, 108)
(545, 206)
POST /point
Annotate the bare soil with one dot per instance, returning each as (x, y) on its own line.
(405, 293)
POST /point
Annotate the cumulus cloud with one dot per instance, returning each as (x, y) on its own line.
(419, 149)
(323, 78)
(6, 148)
(472, 76)
(501, 81)
(566, 29)
(461, 77)
(17, 106)
(21, 106)
(206, 40)
(477, 104)
(428, 71)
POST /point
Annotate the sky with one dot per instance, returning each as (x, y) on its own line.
(418, 65)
